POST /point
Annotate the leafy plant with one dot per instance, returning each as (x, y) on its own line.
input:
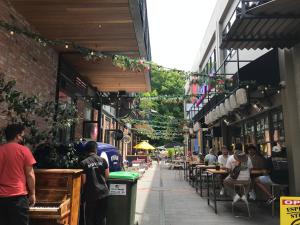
(43, 120)
(171, 153)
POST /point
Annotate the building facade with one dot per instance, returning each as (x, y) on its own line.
(251, 49)
(61, 72)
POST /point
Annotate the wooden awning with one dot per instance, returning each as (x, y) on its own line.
(272, 24)
(114, 26)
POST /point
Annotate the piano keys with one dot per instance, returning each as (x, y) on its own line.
(58, 197)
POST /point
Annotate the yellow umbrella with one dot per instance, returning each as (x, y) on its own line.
(144, 146)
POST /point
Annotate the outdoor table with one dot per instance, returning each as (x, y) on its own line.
(199, 170)
(213, 173)
(191, 167)
(193, 171)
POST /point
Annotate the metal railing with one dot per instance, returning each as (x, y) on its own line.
(241, 11)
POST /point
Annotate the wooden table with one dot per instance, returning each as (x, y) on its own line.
(214, 173)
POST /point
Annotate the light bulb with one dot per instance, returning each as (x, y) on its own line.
(66, 46)
(92, 53)
(11, 32)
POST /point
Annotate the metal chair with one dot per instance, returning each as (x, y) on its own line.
(178, 171)
(281, 188)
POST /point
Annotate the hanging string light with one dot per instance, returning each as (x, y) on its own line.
(122, 61)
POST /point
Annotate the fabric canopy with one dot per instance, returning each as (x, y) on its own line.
(144, 146)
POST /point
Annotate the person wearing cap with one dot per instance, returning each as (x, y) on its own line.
(238, 166)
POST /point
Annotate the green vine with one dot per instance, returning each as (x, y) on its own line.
(39, 118)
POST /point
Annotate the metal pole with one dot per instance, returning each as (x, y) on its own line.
(99, 121)
(58, 80)
(238, 65)
(117, 122)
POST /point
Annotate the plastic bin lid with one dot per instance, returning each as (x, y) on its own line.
(124, 175)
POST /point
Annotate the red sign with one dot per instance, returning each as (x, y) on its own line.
(290, 202)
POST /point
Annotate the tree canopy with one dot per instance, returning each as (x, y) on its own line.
(163, 115)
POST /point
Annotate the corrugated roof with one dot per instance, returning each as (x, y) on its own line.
(275, 24)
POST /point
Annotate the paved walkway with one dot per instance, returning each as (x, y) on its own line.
(163, 199)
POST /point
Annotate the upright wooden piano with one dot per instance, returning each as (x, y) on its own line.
(58, 197)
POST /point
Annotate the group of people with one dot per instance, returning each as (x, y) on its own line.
(17, 181)
(239, 164)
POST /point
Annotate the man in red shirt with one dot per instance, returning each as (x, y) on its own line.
(17, 180)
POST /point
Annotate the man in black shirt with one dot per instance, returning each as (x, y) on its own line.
(95, 192)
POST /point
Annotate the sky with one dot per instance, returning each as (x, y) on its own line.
(176, 30)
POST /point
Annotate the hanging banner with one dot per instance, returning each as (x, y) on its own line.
(289, 210)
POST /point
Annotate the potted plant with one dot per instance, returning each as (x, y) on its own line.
(218, 165)
(206, 162)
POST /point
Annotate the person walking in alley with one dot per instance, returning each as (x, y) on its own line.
(95, 190)
(238, 166)
(17, 179)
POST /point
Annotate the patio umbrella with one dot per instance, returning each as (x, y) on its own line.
(144, 146)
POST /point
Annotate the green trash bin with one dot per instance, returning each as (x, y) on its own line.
(122, 198)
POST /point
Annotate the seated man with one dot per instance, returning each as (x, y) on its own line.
(222, 160)
(278, 167)
(238, 166)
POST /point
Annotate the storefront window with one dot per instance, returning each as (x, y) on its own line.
(65, 135)
(263, 135)
(278, 127)
(264, 131)
(249, 133)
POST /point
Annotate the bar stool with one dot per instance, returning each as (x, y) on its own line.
(243, 189)
(178, 171)
(281, 188)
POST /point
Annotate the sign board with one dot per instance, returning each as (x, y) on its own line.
(289, 210)
(117, 189)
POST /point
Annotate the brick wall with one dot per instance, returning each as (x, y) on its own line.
(33, 66)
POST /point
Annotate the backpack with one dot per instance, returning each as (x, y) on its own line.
(100, 188)
(234, 174)
(97, 188)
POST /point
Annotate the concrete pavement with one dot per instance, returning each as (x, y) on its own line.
(164, 199)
